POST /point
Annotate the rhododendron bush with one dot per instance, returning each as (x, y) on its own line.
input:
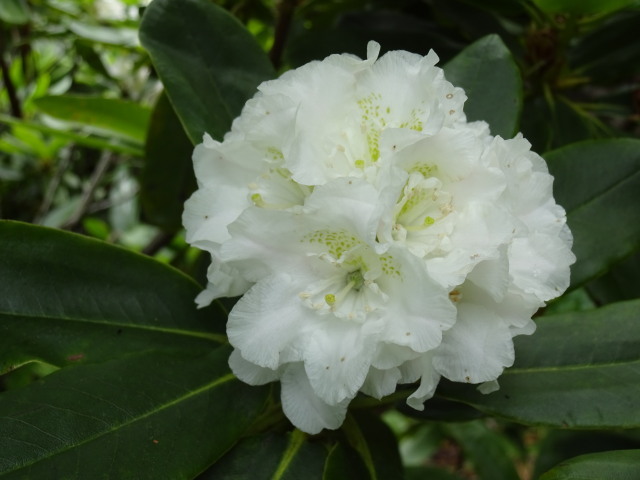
(395, 250)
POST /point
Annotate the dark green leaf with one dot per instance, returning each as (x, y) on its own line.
(598, 183)
(439, 409)
(491, 79)
(429, 473)
(578, 370)
(611, 52)
(489, 451)
(118, 117)
(561, 445)
(167, 179)
(376, 445)
(344, 463)
(622, 282)
(614, 465)
(271, 457)
(150, 415)
(352, 30)
(209, 63)
(583, 7)
(68, 299)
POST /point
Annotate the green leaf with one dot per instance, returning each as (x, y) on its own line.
(271, 457)
(376, 445)
(167, 178)
(15, 12)
(67, 299)
(562, 445)
(622, 282)
(80, 139)
(118, 117)
(489, 451)
(578, 370)
(441, 410)
(120, 36)
(429, 473)
(582, 7)
(343, 463)
(598, 183)
(614, 465)
(149, 415)
(491, 79)
(209, 63)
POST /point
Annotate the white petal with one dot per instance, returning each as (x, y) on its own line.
(419, 309)
(477, 348)
(224, 281)
(489, 387)
(207, 214)
(268, 320)
(249, 372)
(492, 276)
(303, 407)
(380, 383)
(337, 358)
(540, 264)
(428, 383)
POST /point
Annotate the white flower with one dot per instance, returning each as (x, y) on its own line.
(378, 238)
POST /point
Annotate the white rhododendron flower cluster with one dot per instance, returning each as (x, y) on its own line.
(377, 237)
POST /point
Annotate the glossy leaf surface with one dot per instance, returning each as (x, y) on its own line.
(578, 370)
(491, 79)
(615, 465)
(208, 62)
(67, 299)
(598, 183)
(167, 415)
(167, 177)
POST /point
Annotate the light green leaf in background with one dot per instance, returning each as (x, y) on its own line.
(15, 12)
(209, 63)
(146, 415)
(598, 183)
(67, 299)
(490, 452)
(81, 139)
(491, 79)
(578, 370)
(117, 117)
(615, 465)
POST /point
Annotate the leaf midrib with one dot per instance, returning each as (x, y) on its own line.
(219, 381)
(215, 337)
(569, 368)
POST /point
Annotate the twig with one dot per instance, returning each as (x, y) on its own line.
(52, 188)
(14, 102)
(161, 240)
(87, 196)
(284, 16)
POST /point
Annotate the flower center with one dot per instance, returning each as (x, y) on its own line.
(421, 205)
(349, 289)
(276, 190)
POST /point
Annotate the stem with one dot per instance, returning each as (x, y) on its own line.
(284, 14)
(52, 188)
(87, 196)
(161, 240)
(16, 109)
